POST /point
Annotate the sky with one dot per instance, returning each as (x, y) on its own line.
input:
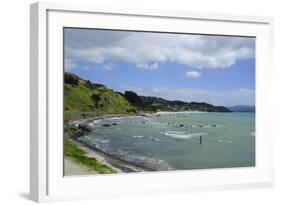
(219, 70)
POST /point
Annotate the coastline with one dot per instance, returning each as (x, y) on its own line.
(117, 164)
(114, 162)
(90, 119)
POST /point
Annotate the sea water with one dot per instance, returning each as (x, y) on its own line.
(171, 141)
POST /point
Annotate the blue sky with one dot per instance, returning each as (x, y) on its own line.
(215, 69)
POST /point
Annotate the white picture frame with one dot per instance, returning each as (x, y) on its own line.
(46, 179)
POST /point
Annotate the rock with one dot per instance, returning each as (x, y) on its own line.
(181, 125)
(114, 124)
(84, 127)
(77, 134)
(213, 125)
(106, 125)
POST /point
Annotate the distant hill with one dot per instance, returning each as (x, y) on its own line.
(87, 98)
(242, 108)
(154, 104)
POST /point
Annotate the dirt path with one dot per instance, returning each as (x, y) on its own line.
(70, 169)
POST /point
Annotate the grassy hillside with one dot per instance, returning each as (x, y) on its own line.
(83, 98)
(86, 99)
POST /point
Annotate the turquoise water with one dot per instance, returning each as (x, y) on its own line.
(172, 141)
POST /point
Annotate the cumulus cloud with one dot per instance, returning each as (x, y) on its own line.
(148, 50)
(193, 74)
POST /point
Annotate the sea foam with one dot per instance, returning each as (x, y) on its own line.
(138, 136)
(183, 135)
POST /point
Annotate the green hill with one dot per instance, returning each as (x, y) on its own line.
(83, 98)
(154, 104)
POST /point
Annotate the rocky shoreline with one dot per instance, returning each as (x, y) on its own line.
(79, 128)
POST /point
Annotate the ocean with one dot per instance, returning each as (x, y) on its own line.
(171, 141)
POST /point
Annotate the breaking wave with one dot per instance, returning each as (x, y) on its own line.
(183, 135)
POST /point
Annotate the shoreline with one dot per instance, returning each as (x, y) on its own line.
(82, 127)
(88, 119)
(119, 165)
(116, 163)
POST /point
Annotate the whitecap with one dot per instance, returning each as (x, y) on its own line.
(151, 138)
(154, 139)
(115, 118)
(183, 135)
(95, 123)
(225, 141)
(101, 140)
(253, 133)
(138, 136)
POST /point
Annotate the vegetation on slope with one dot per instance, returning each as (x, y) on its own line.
(83, 98)
(154, 104)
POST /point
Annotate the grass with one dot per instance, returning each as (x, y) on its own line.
(80, 157)
(81, 101)
(100, 100)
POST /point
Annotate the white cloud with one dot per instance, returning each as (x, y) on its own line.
(108, 66)
(193, 74)
(147, 50)
(69, 65)
(152, 66)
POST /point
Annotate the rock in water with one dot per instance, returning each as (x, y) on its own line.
(84, 127)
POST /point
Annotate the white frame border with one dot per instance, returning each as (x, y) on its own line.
(39, 89)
